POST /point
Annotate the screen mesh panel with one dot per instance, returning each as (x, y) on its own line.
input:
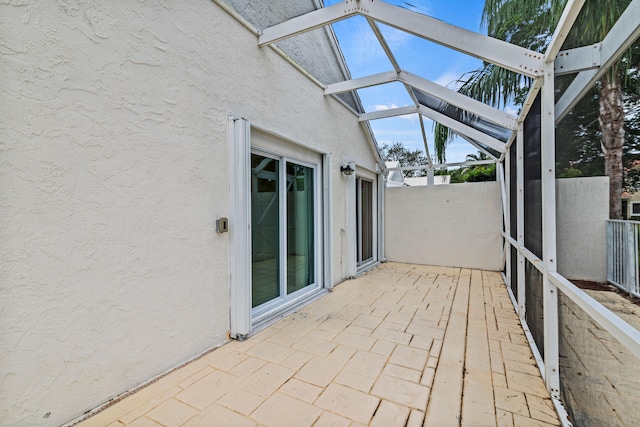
(599, 377)
(533, 222)
(513, 215)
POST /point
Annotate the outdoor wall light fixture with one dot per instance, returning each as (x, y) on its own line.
(347, 170)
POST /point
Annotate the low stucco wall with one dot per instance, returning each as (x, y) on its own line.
(454, 225)
(582, 207)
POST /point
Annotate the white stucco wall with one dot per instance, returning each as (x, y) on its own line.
(113, 169)
(449, 225)
(582, 208)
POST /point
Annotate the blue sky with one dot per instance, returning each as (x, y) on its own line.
(364, 56)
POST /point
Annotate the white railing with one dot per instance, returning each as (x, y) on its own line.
(622, 255)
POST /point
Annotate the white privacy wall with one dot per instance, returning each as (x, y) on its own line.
(582, 206)
(113, 169)
(455, 225)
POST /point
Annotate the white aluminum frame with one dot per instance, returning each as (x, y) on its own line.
(327, 217)
(351, 235)
(239, 132)
(498, 52)
(449, 96)
(550, 291)
(274, 307)
(590, 62)
(363, 265)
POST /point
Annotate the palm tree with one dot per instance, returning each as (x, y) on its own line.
(530, 23)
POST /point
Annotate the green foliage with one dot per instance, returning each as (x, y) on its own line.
(474, 173)
(578, 134)
(530, 24)
(398, 152)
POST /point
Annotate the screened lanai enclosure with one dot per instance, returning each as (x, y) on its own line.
(178, 177)
(593, 385)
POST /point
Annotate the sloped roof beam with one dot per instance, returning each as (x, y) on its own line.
(361, 83)
(450, 96)
(436, 116)
(498, 52)
(459, 100)
(463, 129)
(479, 147)
(619, 39)
(567, 19)
(391, 112)
(309, 21)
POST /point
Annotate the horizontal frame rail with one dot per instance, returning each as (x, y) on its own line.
(626, 334)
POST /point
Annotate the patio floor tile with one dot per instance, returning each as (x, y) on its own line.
(172, 413)
(404, 345)
(281, 410)
(348, 402)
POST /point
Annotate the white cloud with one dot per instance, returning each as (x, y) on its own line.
(449, 79)
(383, 107)
(511, 110)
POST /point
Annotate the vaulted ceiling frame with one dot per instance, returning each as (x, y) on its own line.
(437, 116)
(592, 61)
(391, 112)
(447, 95)
(498, 52)
(471, 43)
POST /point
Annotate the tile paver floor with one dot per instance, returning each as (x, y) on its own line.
(403, 345)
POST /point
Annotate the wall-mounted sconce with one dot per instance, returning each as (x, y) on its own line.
(347, 170)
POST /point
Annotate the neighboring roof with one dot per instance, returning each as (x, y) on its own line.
(395, 178)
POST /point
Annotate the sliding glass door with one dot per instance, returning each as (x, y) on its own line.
(283, 230)
(364, 220)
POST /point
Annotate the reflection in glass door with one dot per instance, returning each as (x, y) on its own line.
(283, 230)
(300, 228)
(265, 230)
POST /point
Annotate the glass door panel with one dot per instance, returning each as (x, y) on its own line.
(300, 227)
(364, 219)
(283, 230)
(265, 229)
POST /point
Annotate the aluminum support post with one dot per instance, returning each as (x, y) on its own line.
(522, 295)
(507, 224)
(550, 298)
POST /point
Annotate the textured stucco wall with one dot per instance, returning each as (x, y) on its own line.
(113, 169)
(582, 208)
(455, 225)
